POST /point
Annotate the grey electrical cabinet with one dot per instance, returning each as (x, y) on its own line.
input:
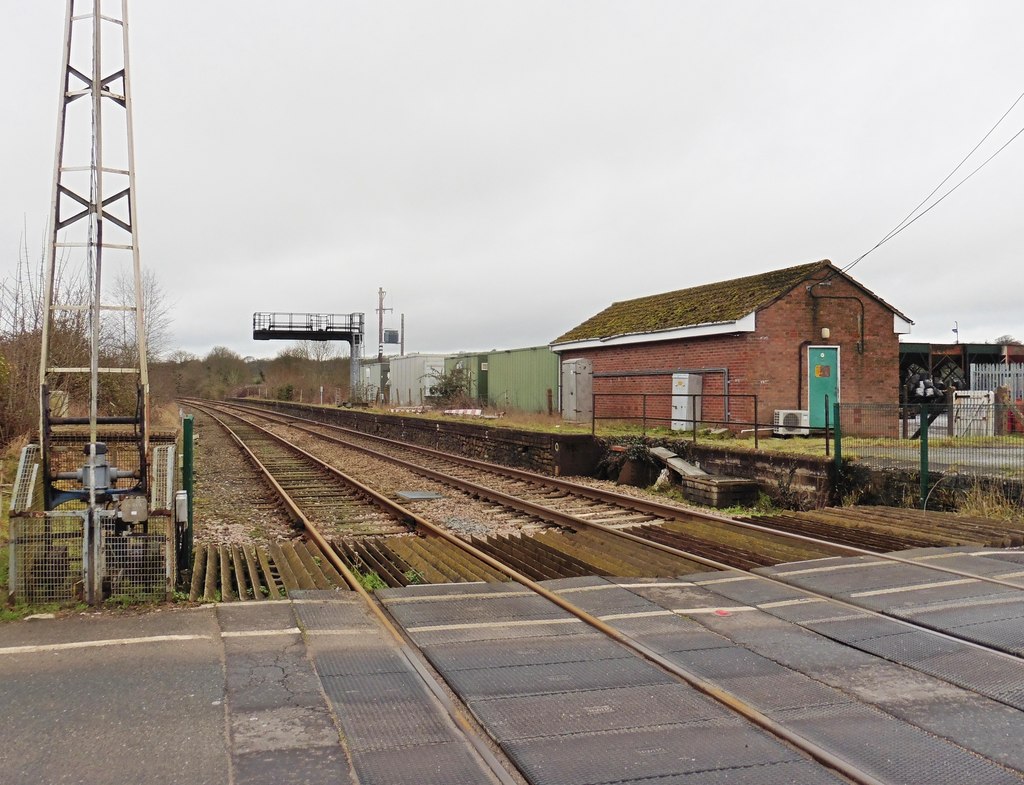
(577, 402)
(686, 404)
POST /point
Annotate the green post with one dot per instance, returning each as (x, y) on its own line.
(837, 435)
(924, 455)
(187, 483)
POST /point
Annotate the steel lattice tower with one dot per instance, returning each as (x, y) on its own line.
(94, 244)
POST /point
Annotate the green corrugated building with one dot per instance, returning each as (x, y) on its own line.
(475, 364)
(523, 379)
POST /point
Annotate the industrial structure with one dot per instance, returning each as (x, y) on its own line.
(950, 363)
(91, 506)
(781, 341)
(523, 379)
(348, 327)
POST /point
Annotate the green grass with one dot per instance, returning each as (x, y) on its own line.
(16, 612)
(6, 474)
(370, 581)
(763, 505)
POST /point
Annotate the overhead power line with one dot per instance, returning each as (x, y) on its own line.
(914, 215)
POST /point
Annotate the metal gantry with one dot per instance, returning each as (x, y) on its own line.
(93, 325)
(349, 327)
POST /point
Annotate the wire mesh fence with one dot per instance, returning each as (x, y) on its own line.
(138, 566)
(162, 477)
(969, 436)
(27, 492)
(49, 553)
(46, 558)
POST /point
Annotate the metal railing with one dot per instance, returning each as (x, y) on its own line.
(655, 410)
(313, 322)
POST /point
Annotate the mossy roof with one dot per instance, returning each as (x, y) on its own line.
(713, 303)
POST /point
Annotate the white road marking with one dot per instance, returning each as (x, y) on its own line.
(45, 647)
(260, 633)
(915, 587)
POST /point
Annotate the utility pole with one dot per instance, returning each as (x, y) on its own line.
(401, 348)
(380, 323)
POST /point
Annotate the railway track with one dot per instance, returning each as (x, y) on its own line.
(872, 528)
(598, 549)
(588, 604)
(713, 539)
(574, 506)
(355, 520)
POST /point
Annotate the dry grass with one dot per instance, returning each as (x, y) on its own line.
(514, 420)
(988, 502)
(165, 417)
(9, 455)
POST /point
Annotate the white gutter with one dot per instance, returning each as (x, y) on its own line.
(745, 324)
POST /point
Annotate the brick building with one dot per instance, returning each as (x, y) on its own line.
(778, 340)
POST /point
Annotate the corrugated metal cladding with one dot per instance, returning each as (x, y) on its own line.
(476, 366)
(412, 377)
(510, 379)
(375, 381)
(523, 379)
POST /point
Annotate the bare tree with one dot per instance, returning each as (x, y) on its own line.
(226, 373)
(156, 311)
(21, 321)
(318, 351)
(181, 356)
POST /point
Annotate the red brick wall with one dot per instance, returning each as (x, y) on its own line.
(769, 363)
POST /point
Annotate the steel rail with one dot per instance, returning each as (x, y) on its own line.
(478, 744)
(724, 697)
(575, 523)
(630, 502)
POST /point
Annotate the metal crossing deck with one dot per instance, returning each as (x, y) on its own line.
(569, 706)
(563, 703)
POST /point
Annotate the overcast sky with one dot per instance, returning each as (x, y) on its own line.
(504, 170)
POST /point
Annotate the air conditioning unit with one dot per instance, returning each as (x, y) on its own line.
(792, 422)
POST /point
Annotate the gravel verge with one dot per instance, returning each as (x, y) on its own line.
(233, 505)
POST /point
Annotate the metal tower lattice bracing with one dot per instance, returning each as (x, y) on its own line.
(93, 373)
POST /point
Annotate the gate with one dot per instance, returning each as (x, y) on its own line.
(989, 376)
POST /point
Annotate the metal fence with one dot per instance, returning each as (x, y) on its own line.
(967, 437)
(46, 558)
(138, 567)
(655, 410)
(48, 555)
(51, 555)
(990, 376)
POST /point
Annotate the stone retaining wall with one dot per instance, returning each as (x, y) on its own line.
(790, 481)
(545, 453)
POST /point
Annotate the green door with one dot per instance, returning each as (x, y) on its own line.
(822, 381)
